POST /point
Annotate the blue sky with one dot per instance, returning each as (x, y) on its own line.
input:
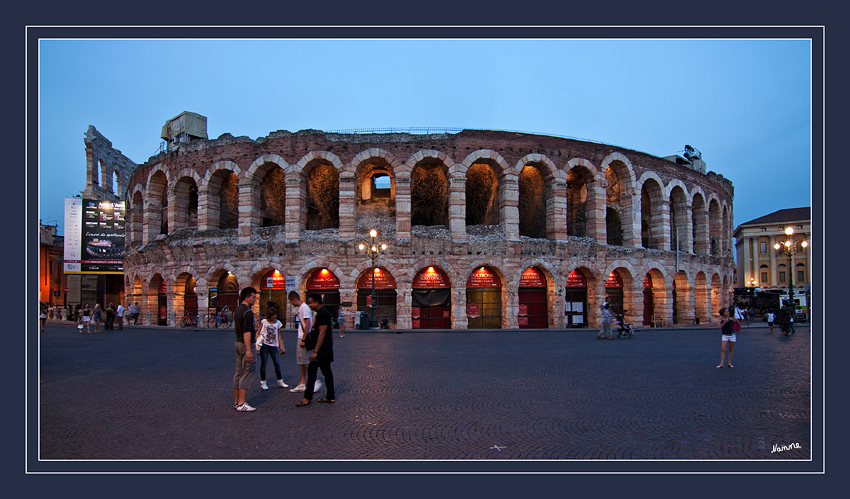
(745, 104)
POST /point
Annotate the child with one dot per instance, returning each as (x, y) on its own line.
(770, 320)
(268, 339)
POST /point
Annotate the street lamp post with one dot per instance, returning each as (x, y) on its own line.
(372, 250)
(789, 249)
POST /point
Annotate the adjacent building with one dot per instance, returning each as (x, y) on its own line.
(760, 265)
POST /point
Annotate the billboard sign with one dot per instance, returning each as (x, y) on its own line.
(94, 236)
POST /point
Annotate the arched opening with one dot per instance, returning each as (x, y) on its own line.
(116, 184)
(374, 192)
(189, 297)
(482, 195)
(137, 214)
(533, 194)
(725, 239)
(702, 298)
(679, 220)
(533, 304)
(614, 293)
(613, 227)
(229, 202)
(575, 295)
(648, 301)
(160, 300)
(715, 227)
(429, 194)
(325, 283)
(578, 179)
(186, 204)
(226, 294)
(716, 298)
(431, 299)
(157, 211)
(97, 167)
(386, 298)
(484, 299)
(322, 197)
(698, 221)
(273, 289)
(650, 215)
(681, 299)
(273, 198)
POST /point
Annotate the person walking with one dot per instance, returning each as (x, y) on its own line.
(96, 317)
(323, 352)
(770, 318)
(607, 320)
(85, 318)
(341, 321)
(305, 324)
(268, 337)
(727, 335)
(119, 316)
(224, 313)
(243, 325)
(136, 311)
(110, 317)
(42, 315)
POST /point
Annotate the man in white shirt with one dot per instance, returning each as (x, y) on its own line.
(305, 324)
(119, 316)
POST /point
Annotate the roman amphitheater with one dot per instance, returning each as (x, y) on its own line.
(483, 229)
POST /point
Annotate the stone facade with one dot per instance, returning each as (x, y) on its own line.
(759, 264)
(298, 202)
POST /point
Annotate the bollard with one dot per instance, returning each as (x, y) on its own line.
(201, 317)
(149, 320)
(174, 319)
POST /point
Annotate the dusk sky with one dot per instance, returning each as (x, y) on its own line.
(745, 104)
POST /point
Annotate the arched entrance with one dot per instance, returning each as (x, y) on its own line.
(532, 300)
(273, 288)
(162, 304)
(325, 283)
(648, 303)
(227, 292)
(484, 299)
(190, 299)
(386, 298)
(614, 293)
(432, 300)
(576, 300)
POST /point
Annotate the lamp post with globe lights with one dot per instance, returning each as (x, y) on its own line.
(372, 250)
(789, 249)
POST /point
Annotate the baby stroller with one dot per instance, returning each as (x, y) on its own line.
(624, 329)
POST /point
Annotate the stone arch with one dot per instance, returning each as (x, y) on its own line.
(582, 202)
(156, 204)
(319, 192)
(661, 309)
(702, 297)
(654, 231)
(218, 197)
(373, 187)
(726, 229)
(554, 282)
(716, 295)
(619, 193)
(715, 226)
(541, 186)
(429, 188)
(135, 214)
(183, 200)
(680, 217)
(682, 296)
(699, 223)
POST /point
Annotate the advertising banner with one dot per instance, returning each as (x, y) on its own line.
(94, 236)
(532, 278)
(483, 278)
(383, 280)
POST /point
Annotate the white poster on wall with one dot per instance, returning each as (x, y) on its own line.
(73, 235)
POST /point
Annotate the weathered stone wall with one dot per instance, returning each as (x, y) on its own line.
(436, 180)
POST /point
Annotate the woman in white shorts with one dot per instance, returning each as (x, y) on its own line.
(728, 335)
(85, 318)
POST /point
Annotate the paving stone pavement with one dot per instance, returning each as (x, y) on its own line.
(163, 394)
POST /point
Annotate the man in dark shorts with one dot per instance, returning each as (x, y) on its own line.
(323, 352)
(243, 322)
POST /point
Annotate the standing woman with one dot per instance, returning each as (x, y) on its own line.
(341, 322)
(607, 319)
(97, 316)
(726, 325)
(85, 318)
(42, 315)
(268, 337)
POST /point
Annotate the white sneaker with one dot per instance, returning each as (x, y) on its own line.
(263, 385)
(299, 388)
(317, 386)
(245, 408)
(281, 384)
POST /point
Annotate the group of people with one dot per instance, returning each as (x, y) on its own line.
(313, 352)
(110, 317)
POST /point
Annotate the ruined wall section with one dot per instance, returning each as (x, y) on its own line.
(108, 171)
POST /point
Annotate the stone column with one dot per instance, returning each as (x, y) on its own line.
(457, 209)
(459, 318)
(202, 292)
(296, 209)
(556, 209)
(509, 205)
(510, 306)
(661, 236)
(347, 204)
(701, 238)
(686, 229)
(249, 209)
(596, 204)
(631, 229)
(402, 204)
(404, 302)
(747, 264)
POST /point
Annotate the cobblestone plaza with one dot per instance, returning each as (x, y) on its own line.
(164, 394)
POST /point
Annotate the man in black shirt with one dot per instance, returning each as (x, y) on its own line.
(323, 352)
(243, 322)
